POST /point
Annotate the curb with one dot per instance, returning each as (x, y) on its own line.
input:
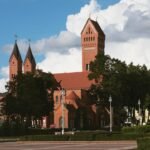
(8, 140)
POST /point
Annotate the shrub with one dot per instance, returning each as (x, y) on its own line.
(11, 129)
(45, 138)
(136, 129)
(83, 137)
(143, 144)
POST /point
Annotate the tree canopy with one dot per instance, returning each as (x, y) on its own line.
(30, 95)
(125, 83)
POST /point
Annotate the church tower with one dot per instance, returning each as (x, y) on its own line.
(15, 62)
(93, 42)
(29, 62)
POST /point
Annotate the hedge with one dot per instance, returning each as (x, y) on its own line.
(144, 143)
(137, 129)
(83, 137)
(45, 138)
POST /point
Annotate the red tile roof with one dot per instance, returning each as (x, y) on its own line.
(74, 80)
(72, 96)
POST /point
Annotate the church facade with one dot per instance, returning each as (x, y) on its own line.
(78, 113)
(71, 107)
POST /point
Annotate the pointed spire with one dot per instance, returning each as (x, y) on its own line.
(30, 56)
(16, 52)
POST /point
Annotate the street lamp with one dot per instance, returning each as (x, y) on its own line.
(98, 124)
(110, 100)
(139, 103)
(62, 105)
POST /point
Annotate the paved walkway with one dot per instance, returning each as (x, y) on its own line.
(99, 145)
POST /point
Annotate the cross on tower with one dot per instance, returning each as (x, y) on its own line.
(16, 37)
(29, 40)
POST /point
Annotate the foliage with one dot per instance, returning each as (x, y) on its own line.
(125, 83)
(147, 102)
(29, 96)
(45, 138)
(84, 137)
(12, 128)
(136, 129)
(143, 143)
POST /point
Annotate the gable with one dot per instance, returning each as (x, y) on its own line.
(13, 61)
(27, 64)
(89, 28)
(95, 26)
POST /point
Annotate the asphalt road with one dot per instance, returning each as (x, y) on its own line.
(99, 145)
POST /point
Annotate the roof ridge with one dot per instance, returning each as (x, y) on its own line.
(85, 72)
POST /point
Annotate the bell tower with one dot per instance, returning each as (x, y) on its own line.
(15, 62)
(29, 62)
(92, 41)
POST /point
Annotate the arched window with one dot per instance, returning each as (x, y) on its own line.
(60, 122)
(89, 30)
(56, 99)
(87, 67)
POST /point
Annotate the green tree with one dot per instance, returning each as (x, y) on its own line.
(125, 83)
(147, 105)
(30, 95)
(109, 75)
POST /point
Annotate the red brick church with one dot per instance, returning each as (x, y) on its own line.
(75, 112)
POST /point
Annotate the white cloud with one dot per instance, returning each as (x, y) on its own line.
(136, 50)
(4, 72)
(126, 25)
(4, 78)
(75, 22)
(55, 62)
(22, 44)
(57, 43)
(3, 82)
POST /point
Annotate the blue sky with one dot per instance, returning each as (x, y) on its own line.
(35, 19)
(54, 28)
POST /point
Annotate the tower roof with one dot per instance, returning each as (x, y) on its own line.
(16, 53)
(30, 56)
(96, 26)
